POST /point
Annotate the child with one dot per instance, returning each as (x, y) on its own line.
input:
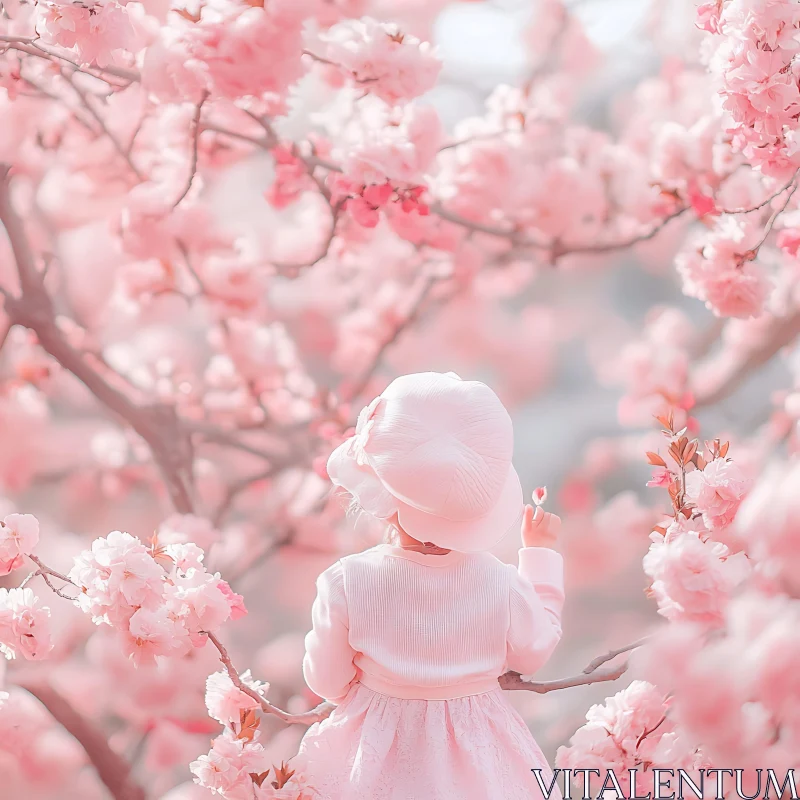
(409, 638)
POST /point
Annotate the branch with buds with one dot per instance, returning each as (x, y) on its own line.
(512, 681)
(683, 452)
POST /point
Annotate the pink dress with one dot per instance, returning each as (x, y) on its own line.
(410, 647)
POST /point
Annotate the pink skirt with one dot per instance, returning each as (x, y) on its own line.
(377, 747)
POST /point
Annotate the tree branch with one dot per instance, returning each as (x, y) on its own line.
(32, 47)
(512, 681)
(111, 768)
(195, 148)
(411, 316)
(784, 331)
(157, 424)
(123, 152)
(600, 660)
(566, 249)
(517, 238)
(322, 711)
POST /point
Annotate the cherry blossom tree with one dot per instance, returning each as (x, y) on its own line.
(226, 224)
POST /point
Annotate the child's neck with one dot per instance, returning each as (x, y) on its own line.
(410, 543)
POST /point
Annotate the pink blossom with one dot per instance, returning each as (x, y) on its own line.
(169, 74)
(661, 477)
(225, 701)
(717, 491)
(385, 165)
(693, 578)
(233, 280)
(789, 241)
(19, 535)
(98, 31)
(117, 575)
(24, 625)
(389, 63)
(291, 178)
(185, 556)
(732, 691)
(236, 49)
(614, 734)
(708, 16)
(236, 601)
(769, 521)
(753, 62)
(195, 598)
(721, 271)
(152, 633)
(740, 292)
(226, 769)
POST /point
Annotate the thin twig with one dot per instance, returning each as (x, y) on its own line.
(293, 270)
(513, 681)
(753, 252)
(195, 148)
(763, 203)
(600, 660)
(123, 151)
(317, 714)
(355, 389)
(45, 569)
(273, 547)
(32, 47)
(478, 227)
(236, 488)
(7, 326)
(566, 249)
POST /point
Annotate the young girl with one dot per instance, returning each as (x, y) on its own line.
(410, 637)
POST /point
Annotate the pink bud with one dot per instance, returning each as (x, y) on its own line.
(539, 495)
(378, 195)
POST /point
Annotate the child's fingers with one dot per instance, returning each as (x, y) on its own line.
(553, 524)
(527, 519)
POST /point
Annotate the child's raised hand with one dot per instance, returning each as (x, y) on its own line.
(539, 528)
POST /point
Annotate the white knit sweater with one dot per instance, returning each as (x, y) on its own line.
(432, 626)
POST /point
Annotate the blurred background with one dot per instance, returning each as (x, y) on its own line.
(559, 349)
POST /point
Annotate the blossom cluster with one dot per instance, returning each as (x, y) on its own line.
(385, 61)
(203, 55)
(24, 622)
(101, 32)
(24, 625)
(722, 271)
(735, 692)
(384, 163)
(693, 573)
(755, 64)
(632, 728)
(237, 766)
(724, 658)
(19, 535)
(160, 598)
